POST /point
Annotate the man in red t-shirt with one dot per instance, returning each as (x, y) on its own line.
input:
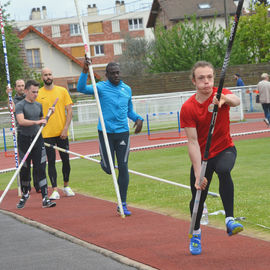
(195, 116)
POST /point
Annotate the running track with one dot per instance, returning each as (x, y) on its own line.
(152, 239)
(91, 147)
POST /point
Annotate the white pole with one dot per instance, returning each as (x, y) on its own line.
(131, 171)
(87, 52)
(25, 156)
(71, 129)
(10, 99)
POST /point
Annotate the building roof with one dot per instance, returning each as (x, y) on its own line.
(177, 10)
(30, 28)
(74, 19)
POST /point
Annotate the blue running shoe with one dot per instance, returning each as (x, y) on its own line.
(195, 247)
(126, 211)
(234, 227)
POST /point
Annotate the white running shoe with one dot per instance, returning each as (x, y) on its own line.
(68, 191)
(55, 195)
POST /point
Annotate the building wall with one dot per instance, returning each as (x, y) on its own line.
(179, 81)
(107, 38)
(163, 20)
(51, 57)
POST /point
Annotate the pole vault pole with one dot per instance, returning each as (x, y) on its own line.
(11, 109)
(87, 52)
(214, 115)
(131, 171)
(26, 154)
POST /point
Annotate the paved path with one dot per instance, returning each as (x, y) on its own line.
(24, 247)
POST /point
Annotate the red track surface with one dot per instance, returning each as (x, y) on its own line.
(153, 239)
(150, 238)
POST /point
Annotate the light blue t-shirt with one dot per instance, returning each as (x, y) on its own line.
(116, 103)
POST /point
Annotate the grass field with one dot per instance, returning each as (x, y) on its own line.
(251, 176)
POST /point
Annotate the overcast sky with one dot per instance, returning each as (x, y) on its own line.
(21, 9)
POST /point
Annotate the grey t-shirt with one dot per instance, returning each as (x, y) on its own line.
(16, 100)
(31, 111)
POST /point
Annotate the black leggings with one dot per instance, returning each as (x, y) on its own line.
(38, 158)
(119, 145)
(222, 164)
(62, 143)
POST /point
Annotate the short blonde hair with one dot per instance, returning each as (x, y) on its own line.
(264, 76)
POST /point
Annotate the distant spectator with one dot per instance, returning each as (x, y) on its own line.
(264, 96)
(239, 81)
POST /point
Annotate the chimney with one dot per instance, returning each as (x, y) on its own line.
(38, 14)
(117, 7)
(44, 12)
(33, 12)
(122, 7)
(91, 11)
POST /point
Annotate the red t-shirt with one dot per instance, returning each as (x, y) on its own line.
(197, 115)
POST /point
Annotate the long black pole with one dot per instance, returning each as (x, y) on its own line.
(214, 115)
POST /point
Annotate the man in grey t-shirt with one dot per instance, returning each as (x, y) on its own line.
(19, 96)
(29, 117)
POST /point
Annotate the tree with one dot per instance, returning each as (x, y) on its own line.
(265, 2)
(15, 61)
(253, 37)
(132, 61)
(185, 43)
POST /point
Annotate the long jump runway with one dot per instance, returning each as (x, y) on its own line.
(152, 239)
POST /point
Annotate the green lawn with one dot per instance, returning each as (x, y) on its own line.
(251, 176)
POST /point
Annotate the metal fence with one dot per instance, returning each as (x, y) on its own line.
(161, 110)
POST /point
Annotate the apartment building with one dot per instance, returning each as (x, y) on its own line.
(106, 33)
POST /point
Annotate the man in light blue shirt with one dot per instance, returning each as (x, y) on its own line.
(116, 105)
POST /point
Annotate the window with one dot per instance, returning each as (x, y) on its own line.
(95, 27)
(135, 24)
(117, 47)
(56, 31)
(39, 28)
(204, 6)
(33, 58)
(74, 29)
(72, 86)
(115, 26)
(77, 51)
(99, 50)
